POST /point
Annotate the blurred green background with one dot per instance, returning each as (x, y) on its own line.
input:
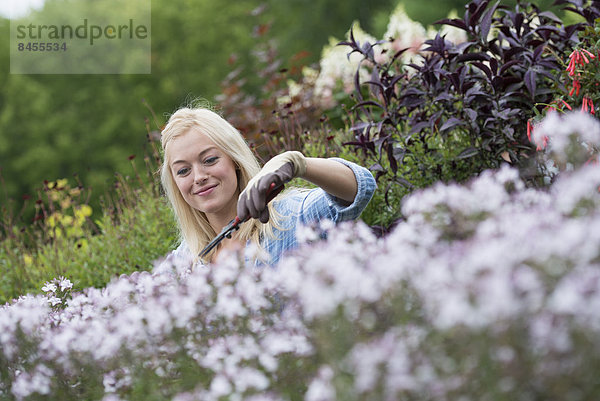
(58, 126)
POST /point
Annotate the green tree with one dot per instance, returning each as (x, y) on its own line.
(308, 24)
(54, 126)
(427, 12)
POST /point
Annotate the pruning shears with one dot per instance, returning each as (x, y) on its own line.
(234, 224)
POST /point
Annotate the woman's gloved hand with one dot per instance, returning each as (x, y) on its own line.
(279, 170)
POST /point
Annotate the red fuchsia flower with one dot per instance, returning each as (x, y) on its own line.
(530, 128)
(583, 54)
(558, 105)
(565, 104)
(578, 57)
(543, 145)
(588, 105)
(575, 88)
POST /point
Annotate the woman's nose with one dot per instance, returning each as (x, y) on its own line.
(200, 174)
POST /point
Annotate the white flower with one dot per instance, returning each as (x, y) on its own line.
(321, 388)
(406, 34)
(54, 301)
(111, 397)
(338, 69)
(65, 284)
(306, 233)
(49, 287)
(229, 304)
(248, 378)
(568, 135)
(220, 386)
(38, 381)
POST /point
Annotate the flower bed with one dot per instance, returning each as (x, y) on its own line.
(489, 290)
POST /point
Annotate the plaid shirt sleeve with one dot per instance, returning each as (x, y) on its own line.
(308, 206)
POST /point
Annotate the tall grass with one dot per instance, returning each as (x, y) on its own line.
(134, 228)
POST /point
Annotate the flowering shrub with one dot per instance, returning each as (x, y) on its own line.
(465, 105)
(334, 92)
(486, 291)
(338, 68)
(579, 91)
(570, 147)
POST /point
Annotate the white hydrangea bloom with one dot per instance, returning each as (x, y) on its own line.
(405, 34)
(338, 69)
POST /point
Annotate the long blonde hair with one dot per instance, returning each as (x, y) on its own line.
(193, 224)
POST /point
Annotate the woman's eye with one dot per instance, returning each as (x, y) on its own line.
(182, 171)
(211, 160)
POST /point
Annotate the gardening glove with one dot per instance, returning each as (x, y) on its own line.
(279, 170)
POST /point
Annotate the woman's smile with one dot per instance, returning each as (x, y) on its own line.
(205, 191)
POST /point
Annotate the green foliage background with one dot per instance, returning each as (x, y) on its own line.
(55, 126)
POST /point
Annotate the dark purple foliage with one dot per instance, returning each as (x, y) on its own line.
(481, 91)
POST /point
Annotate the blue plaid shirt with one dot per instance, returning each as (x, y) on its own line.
(309, 206)
(298, 207)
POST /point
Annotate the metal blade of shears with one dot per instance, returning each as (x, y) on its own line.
(225, 233)
(235, 223)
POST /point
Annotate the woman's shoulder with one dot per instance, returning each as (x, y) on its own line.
(292, 198)
(182, 250)
(179, 261)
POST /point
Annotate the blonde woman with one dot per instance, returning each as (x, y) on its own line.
(210, 175)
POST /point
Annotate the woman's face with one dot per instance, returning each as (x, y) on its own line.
(204, 174)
